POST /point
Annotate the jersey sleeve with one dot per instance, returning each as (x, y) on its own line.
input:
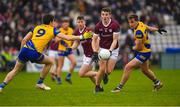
(139, 34)
(56, 31)
(116, 28)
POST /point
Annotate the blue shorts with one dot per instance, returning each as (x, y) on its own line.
(65, 53)
(142, 57)
(27, 54)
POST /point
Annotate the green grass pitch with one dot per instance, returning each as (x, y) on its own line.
(137, 91)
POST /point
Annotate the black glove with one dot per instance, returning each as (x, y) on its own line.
(95, 57)
(160, 30)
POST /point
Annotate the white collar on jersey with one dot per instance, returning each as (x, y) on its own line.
(81, 31)
(106, 25)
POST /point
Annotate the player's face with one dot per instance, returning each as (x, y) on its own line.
(65, 24)
(105, 16)
(55, 24)
(132, 23)
(80, 23)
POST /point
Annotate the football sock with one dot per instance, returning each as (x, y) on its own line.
(97, 86)
(40, 81)
(68, 76)
(120, 86)
(58, 79)
(2, 85)
(156, 81)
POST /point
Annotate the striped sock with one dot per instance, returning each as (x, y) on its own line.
(2, 85)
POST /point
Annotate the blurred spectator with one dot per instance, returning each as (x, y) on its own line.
(18, 16)
(7, 59)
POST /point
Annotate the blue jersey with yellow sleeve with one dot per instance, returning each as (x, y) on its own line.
(141, 33)
(64, 44)
(41, 35)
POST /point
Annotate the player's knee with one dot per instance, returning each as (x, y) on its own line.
(144, 70)
(73, 63)
(109, 70)
(127, 68)
(102, 68)
(81, 74)
(51, 62)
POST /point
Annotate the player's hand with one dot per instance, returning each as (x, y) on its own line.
(95, 57)
(87, 35)
(160, 30)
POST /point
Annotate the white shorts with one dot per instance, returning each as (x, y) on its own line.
(114, 54)
(53, 53)
(87, 60)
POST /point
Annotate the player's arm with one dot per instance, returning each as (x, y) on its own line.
(138, 45)
(150, 28)
(75, 44)
(160, 30)
(86, 35)
(26, 38)
(115, 41)
(95, 43)
(95, 47)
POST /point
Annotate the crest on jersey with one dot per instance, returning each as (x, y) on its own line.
(110, 30)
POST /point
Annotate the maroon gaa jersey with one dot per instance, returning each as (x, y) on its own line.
(53, 45)
(86, 44)
(106, 33)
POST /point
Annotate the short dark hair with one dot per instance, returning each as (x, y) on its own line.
(47, 19)
(65, 19)
(133, 16)
(80, 18)
(106, 9)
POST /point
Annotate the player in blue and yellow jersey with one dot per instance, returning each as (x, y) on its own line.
(64, 50)
(32, 47)
(142, 53)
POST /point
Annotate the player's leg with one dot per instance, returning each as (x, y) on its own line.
(59, 68)
(22, 59)
(111, 64)
(102, 69)
(53, 55)
(72, 59)
(127, 70)
(85, 71)
(150, 74)
(53, 69)
(110, 67)
(18, 66)
(48, 61)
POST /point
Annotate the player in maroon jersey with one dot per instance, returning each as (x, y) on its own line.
(105, 36)
(86, 68)
(53, 53)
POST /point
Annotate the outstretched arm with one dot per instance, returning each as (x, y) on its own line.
(150, 28)
(160, 30)
(86, 35)
(75, 44)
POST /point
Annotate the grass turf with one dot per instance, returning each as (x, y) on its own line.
(137, 91)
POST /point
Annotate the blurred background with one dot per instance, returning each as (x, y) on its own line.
(18, 16)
